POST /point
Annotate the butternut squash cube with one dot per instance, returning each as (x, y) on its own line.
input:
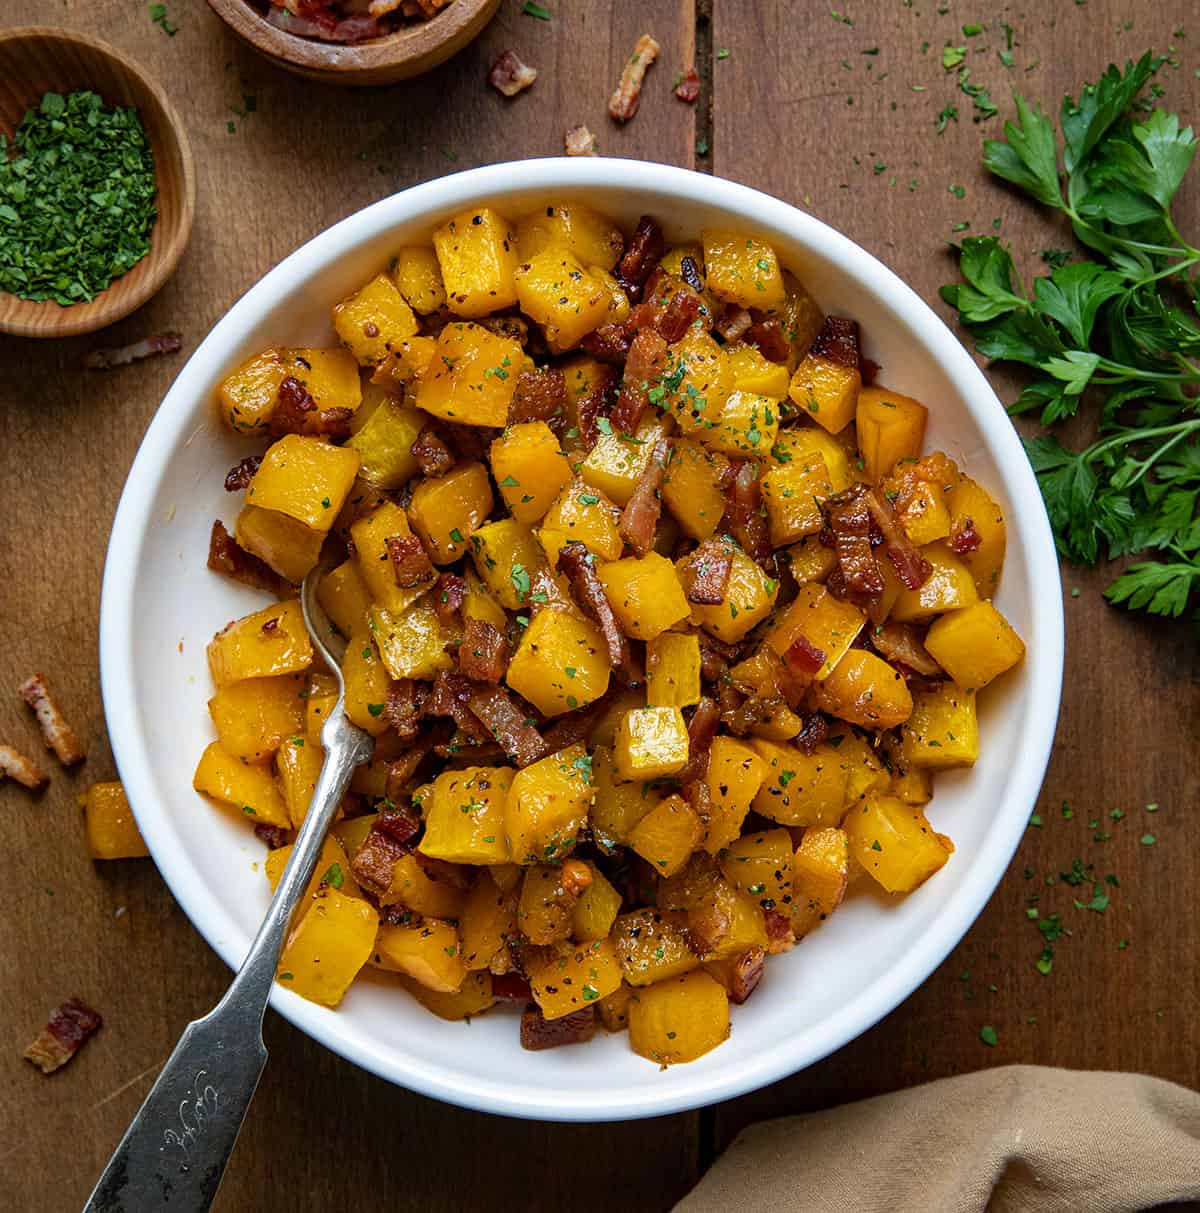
(618, 302)
(734, 776)
(544, 910)
(829, 624)
(680, 1019)
(974, 645)
(530, 468)
(409, 361)
(865, 690)
(811, 560)
(384, 444)
(297, 767)
(560, 664)
(925, 516)
(571, 976)
(112, 832)
(413, 642)
(746, 425)
(651, 743)
(692, 487)
(366, 681)
(472, 998)
(793, 494)
(479, 604)
(800, 442)
(304, 478)
(696, 384)
(820, 873)
(672, 259)
(865, 773)
(287, 546)
(426, 886)
(749, 597)
(826, 391)
(477, 253)
(419, 278)
(754, 373)
(890, 427)
(322, 695)
(429, 952)
(547, 806)
(472, 376)
(507, 556)
(970, 501)
(619, 805)
(587, 515)
(800, 317)
(271, 641)
(667, 835)
(370, 535)
(589, 236)
(801, 789)
(329, 376)
(596, 910)
(332, 871)
(895, 843)
(246, 789)
(948, 587)
(742, 270)
(247, 397)
(371, 319)
(645, 593)
(614, 1010)
(328, 947)
(352, 832)
(554, 289)
(673, 670)
(760, 865)
(253, 716)
(652, 947)
(343, 596)
(616, 463)
(488, 922)
(445, 511)
(464, 821)
(943, 730)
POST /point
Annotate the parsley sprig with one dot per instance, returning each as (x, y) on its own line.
(1120, 329)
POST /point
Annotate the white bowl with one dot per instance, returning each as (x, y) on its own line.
(161, 605)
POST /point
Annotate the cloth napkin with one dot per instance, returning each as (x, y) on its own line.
(1019, 1139)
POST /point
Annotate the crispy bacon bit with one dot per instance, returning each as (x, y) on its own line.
(451, 697)
(538, 396)
(239, 476)
(508, 724)
(400, 773)
(270, 626)
(404, 706)
(296, 413)
(699, 797)
(510, 986)
(65, 1033)
(715, 658)
(510, 75)
(579, 141)
(58, 735)
(803, 657)
(515, 328)
(579, 565)
(573, 727)
(911, 567)
(627, 96)
(644, 367)
(411, 565)
(322, 25)
(814, 729)
(750, 713)
(274, 836)
(850, 521)
(449, 594)
(770, 340)
(433, 456)
(575, 878)
(15, 765)
(592, 404)
(964, 538)
(538, 1032)
(688, 87)
(639, 518)
(870, 370)
(744, 515)
(670, 314)
(483, 653)
(708, 926)
(837, 341)
(642, 255)
(374, 864)
(903, 644)
(780, 936)
(123, 355)
(689, 271)
(705, 573)
(226, 555)
(733, 322)
(609, 343)
(745, 974)
(400, 824)
(702, 728)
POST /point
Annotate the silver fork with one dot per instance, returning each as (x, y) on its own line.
(175, 1151)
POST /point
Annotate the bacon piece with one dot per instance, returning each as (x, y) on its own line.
(239, 476)
(627, 96)
(449, 594)
(573, 727)
(745, 716)
(746, 973)
(508, 724)
(849, 518)
(123, 355)
(698, 796)
(814, 729)
(869, 369)
(579, 565)
(404, 706)
(515, 328)
(911, 567)
(433, 456)
(670, 306)
(769, 339)
(483, 653)
(374, 864)
(642, 255)
(511, 986)
(510, 75)
(609, 343)
(780, 936)
(689, 271)
(687, 88)
(715, 658)
(56, 732)
(705, 573)
(400, 773)
(322, 25)
(68, 1028)
(451, 697)
(15, 765)
(400, 824)
(639, 518)
(744, 515)
(274, 836)
(591, 405)
(964, 538)
(903, 644)
(644, 366)
(733, 322)
(702, 728)
(803, 657)
(296, 413)
(837, 341)
(579, 141)
(539, 395)
(708, 926)
(538, 1032)
(226, 555)
(411, 565)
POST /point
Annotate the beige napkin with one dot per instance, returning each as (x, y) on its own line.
(1021, 1139)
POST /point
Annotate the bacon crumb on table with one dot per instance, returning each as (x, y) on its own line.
(627, 96)
(15, 765)
(579, 141)
(65, 1033)
(510, 75)
(59, 735)
(149, 347)
(687, 88)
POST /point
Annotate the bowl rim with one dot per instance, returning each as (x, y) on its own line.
(100, 313)
(173, 422)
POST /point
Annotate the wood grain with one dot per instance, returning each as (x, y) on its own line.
(321, 1132)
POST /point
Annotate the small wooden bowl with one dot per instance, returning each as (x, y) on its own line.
(408, 52)
(37, 60)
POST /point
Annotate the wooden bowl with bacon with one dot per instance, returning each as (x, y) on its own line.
(356, 42)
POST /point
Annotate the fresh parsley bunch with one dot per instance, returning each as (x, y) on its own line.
(1122, 328)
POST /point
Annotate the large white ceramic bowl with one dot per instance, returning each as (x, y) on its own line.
(161, 605)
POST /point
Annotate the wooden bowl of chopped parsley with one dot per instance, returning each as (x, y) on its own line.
(97, 184)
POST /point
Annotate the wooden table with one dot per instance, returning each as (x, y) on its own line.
(834, 115)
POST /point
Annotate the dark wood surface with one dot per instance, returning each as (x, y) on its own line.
(800, 109)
